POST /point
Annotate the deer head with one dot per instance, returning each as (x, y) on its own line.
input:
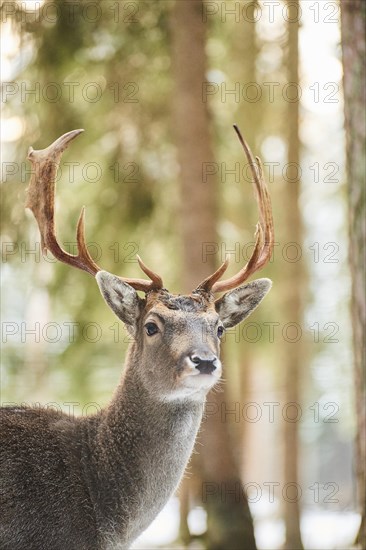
(176, 338)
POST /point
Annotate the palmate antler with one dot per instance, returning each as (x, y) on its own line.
(41, 200)
(264, 232)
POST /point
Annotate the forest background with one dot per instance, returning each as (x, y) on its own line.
(157, 87)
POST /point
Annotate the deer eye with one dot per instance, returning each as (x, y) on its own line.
(220, 331)
(151, 328)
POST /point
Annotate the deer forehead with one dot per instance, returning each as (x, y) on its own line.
(178, 309)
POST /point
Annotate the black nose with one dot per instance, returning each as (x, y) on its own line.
(204, 366)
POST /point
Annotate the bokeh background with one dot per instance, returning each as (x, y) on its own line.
(157, 87)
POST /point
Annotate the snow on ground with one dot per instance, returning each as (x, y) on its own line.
(321, 529)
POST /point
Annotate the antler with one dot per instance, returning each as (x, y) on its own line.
(41, 200)
(264, 232)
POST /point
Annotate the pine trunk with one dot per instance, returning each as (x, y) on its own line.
(293, 282)
(353, 23)
(229, 522)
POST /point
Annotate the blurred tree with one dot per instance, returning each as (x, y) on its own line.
(229, 521)
(246, 51)
(353, 25)
(293, 285)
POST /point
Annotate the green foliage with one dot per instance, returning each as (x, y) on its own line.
(102, 77)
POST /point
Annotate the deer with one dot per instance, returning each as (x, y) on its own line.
(97, 482)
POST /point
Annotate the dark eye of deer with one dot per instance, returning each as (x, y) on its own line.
(151, 328)
(220, 331)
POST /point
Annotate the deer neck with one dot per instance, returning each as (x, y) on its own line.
(141, 447)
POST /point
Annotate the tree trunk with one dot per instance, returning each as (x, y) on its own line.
(293, 289)
(353, 22)
(245, 45)
(229, 522)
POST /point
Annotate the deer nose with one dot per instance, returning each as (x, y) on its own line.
(205, 365)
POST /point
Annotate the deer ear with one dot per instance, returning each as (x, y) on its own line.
(121, 298)
(236, 305)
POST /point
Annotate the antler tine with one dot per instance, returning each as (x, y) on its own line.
(207, 283)
(264, 231)
(41, 200)
(157, 281)
(87, 262)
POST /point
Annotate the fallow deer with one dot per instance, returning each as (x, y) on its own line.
(97, 482)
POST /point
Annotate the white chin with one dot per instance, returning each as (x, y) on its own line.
(193, 387)
(200, 382)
